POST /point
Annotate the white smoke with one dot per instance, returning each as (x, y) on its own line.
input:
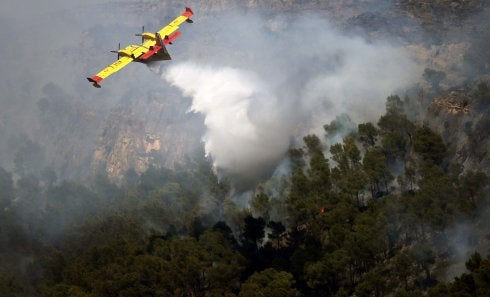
(281, 82)
(243, 125)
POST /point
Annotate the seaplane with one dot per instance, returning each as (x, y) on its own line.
(151, 49)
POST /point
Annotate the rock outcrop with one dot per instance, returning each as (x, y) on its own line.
(461, 116)
(149, 132)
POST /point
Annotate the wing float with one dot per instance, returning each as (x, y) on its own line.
(152, 48)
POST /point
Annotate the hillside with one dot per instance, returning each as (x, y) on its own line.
(351, 223)
(445, 36)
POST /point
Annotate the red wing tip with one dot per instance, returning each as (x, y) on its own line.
(95, 78)
(95, 81)
(188, 12)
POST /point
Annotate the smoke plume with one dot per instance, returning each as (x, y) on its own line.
(266, 82)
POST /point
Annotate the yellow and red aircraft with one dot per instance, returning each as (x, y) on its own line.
(152, 48)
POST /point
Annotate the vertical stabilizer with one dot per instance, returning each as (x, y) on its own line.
(163, 52)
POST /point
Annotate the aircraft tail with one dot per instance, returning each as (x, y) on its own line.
(164, 53)
(188, 12)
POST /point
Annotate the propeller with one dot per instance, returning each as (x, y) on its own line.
(118, 49)
(142, 31)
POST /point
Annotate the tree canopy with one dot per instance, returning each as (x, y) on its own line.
(370, 215)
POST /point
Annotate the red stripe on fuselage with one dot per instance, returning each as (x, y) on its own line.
(150, 53)
(157, 48)
(172, 37)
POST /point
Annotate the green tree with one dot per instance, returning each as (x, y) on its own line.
(475, 283)
(131, 178)
(346, 155)
(10, 287)
(106, 190)
(269, 283)
(403, 267)
(347, 176)
(29, 158)
(408, 180)
(277, 232)
(396, 129)
(226, 231)
(30, 202)
(67, 205)
(435, 201)
(341, 125)
(378, 175)
(424, 257)
(319, 174)
(429, 145)
(296, 157)
(474, 262)
(63, 290)
(325, 276)
(6, 188)
(367, 134)
(352, 152)
(261, 204)
(299, 193)
(372, 284)
(472, 187)
(394, 145)
(312, 142)
(440, 290)
(353, 182)
(253, 231)
(338, 156)
(176, 266)
(223, 265)
(394, 105)
(366, 242)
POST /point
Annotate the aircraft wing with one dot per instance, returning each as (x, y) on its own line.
(113, 68)
(174, 25)
(126, 56)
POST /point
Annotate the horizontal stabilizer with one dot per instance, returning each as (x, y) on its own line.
(188, 13)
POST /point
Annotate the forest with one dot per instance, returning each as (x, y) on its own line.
(372, 215)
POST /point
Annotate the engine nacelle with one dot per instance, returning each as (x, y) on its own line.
(148, 36)
(125, 53)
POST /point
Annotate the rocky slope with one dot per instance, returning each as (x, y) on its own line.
(461, 116)
(147, 132)
(417, 25)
